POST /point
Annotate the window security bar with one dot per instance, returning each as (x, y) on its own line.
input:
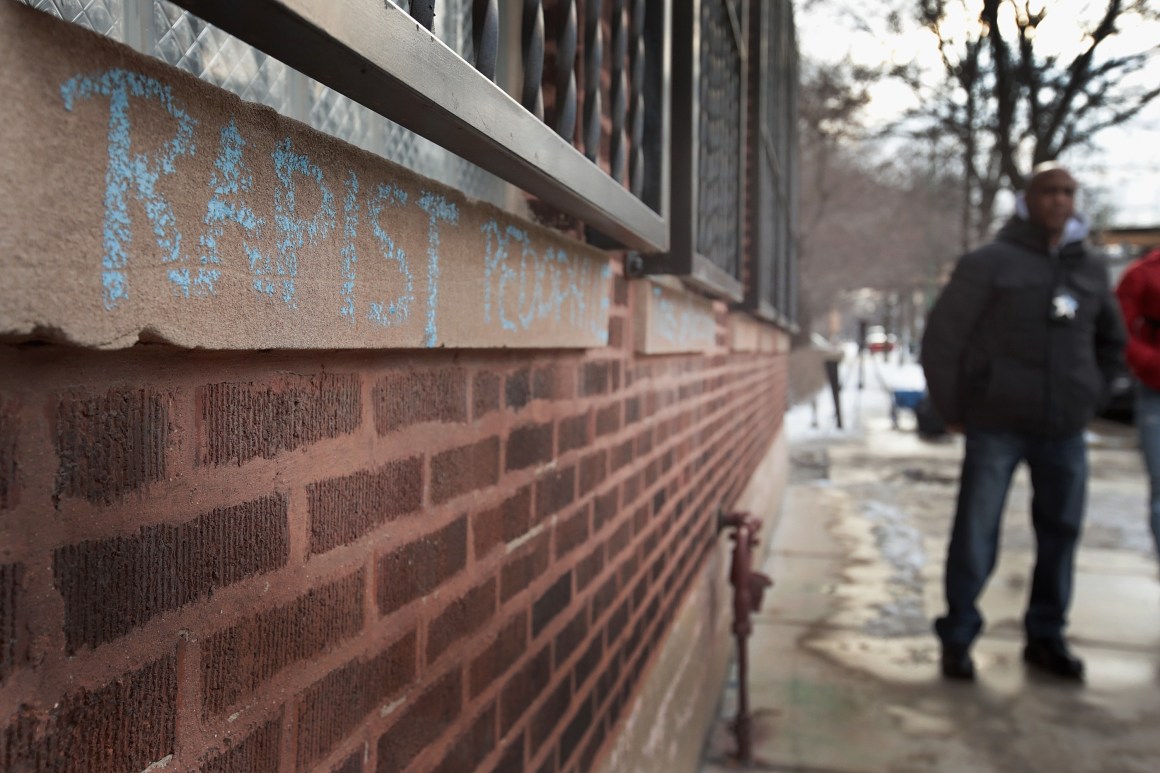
(376, 54)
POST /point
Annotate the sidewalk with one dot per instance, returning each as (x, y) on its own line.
(845, 669)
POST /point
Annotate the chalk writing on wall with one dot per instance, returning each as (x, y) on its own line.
(275, 217)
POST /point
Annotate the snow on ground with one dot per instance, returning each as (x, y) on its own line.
(878, 376)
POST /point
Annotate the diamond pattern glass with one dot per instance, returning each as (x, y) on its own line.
(197, 47)
(103, 16)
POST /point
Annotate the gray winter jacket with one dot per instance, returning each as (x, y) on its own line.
(1023, 338)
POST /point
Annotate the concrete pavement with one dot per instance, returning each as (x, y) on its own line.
(845, 668)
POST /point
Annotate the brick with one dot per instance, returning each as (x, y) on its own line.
(525, 566)
(589, 568)
(502, 523)
(555, 490)
(616, 332)
(507, 647)
(549, 714)
(593, 378)
(259, 752)
(605, 508)
(619, 539)
(464, 469)
(473, 746)
(593, 471)
(644, 442)
(422, 722)
(551, 602)
(113, 585)
(619, 291)
(110, 445)
(609, 680)
(242, 421)
(331, 708)
(484, 393)
(419, 567)
(127, 724)
(622, 455)
(608, 420)
(618, 621)
(570, 638)
(631, 410)
(588, 663)
(235, 662)
(523, 689)
(13, 644)
(10, 428)
(639, 591)
(529, 446)
(630, 490)
(405, 397)
(517, 389)
(352, 764)
(605, 597)
(592, 748)
(575, 730)
(344, 509)
(547, 384)
(571, 532)
(462, 617)
(628, 569)
(512, 760)
(573, 433)
(640, 518)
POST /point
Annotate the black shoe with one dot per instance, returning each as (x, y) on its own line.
(957, 663)
(1053, 656)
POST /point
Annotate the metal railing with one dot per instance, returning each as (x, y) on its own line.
(386, 58)
(573, 101)
(772, 287)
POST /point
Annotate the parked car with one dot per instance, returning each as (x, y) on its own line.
(878, 340)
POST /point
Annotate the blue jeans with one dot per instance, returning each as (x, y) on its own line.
(1148, 423)
(1059, 485)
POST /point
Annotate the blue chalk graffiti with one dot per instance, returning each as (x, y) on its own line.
(398, 310)
(348, 253)
(296, 231)
(229, 182)
(438, 210)
(133, 174)
(682, 324)
(544, 287)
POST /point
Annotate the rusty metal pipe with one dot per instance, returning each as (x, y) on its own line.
(748, 591)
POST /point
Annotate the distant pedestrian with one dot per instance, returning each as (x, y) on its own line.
(1018, 352)
(1139, 296)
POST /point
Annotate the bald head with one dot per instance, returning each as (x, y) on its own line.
(1050, 196)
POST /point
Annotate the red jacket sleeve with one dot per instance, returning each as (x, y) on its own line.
(1143, 352)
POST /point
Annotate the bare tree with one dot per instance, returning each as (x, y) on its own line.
(1012, 104)
(867, 219)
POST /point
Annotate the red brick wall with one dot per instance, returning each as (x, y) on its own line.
(370, 561)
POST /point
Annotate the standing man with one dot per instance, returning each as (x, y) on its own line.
(1017, 352)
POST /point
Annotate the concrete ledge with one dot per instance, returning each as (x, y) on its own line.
(142, 203)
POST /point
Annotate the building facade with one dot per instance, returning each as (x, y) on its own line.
(372, 377)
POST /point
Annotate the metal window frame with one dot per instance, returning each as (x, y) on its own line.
(772, 291)
(376, 54)
(683, 258)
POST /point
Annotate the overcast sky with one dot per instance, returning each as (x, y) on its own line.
(1124, 165)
